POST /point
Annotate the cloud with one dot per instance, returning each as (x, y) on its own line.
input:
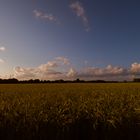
(72, 73)
(57, 62)
(2, 61)
(45, 16)
(108, 73)
(79, 10)
(60, 68)
(2, 48)
(103, 71)
(25, 73)
(135, 68)
(49, 65)
(64, 60)
(52, 70)
(57, 69)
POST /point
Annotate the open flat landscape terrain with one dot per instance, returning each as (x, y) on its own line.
(102, 111)
(70, 70)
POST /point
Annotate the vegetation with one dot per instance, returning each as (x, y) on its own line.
(32, 81)
(70, 111)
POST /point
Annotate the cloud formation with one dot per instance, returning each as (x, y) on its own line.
(2, 48)
(71, 73)
(60, 68)
(1, 61)
(45, 16)
(109, 70)
(108, 73)
(55, 69)
(64, 60)
(135, 68)
(79, 10)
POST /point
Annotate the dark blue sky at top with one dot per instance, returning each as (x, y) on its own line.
(113, 37)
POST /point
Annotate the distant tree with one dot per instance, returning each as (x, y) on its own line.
(136, 80)
(77, 80)
(30, 81)
(12, 80)
(37, 81)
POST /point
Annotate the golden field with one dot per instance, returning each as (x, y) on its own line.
(69, 111)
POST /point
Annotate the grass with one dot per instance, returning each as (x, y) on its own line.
(70, 111)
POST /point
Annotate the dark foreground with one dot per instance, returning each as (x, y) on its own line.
(70, 111)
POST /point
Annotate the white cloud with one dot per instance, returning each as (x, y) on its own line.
(49, 65)
(57, 62)
(2, 61)
(64, 60)
(135, 68)
(25, 73)
(45, 16)
(79, 10)
(108, 73)
(52, 70)
(2, 48)
(72, 73)
(60, 68)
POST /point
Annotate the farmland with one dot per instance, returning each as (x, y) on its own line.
(70, 111)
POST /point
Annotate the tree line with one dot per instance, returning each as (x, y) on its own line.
(14, 80)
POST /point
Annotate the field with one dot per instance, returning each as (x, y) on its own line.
(75, 111)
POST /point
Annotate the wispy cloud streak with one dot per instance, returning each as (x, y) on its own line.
(79, 10)
(45, 16)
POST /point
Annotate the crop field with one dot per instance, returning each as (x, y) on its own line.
(90, 111)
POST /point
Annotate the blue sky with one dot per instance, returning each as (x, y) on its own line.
(87, 39)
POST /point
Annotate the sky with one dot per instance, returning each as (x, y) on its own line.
(70, 39)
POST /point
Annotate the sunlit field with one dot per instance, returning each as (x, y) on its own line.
(75, 111)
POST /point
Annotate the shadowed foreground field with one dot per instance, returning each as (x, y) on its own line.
(70, 111)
